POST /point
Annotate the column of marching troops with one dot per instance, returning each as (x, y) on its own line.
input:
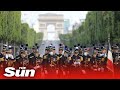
(67, 60)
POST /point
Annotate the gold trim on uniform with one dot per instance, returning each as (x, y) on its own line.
(81, 58)
(88, 59)
(58, 58)
(44, 57)
(2, 59)
(102, 59)
(69, 58)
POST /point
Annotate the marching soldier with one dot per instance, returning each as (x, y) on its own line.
(104, 58)
(54, 57)
(32, 57)
(68, 60)
(26, 61)
(46, 59)
(116, 57)
(86, 59)
(2, 58)
(52, 60)
(21, 57)
(76, 59)
(60, 60)
(9, 57)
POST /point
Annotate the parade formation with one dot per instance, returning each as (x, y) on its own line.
(78, 59)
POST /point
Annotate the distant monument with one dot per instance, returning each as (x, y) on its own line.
(55, 19)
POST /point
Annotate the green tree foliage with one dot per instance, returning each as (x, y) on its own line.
(95, 29)
(39, 37)
(15, 32)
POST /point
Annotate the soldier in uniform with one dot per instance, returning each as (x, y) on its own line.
(32, 57)
(60, 60)
(103, 59)
(68, 60)
(97, 60)
(86, 59)
(2, 57)
(52, 57)
(20, 58)
(116, 56)
(39, 59)
(9, 57)
(26, 61)
(76, 59)
(80, 49)
(66, 51)
(45, 62)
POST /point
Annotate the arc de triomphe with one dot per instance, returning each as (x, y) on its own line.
(55, 19)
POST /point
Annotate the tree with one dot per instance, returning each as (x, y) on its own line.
(95, 29)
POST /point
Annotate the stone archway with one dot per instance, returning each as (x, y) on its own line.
(55, 19)
(51, 32)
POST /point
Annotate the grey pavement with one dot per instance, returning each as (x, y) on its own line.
(47, 43)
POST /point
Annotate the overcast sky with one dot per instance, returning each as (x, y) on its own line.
(31, 17)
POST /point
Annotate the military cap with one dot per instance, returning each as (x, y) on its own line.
(21, 49)
(115, 47)
(76, 48)
(66, 47)
(4, 46)
(26, 47)
(84, 47)
(46, 48)
(33, 47)
(60, 48)
(78, 44)
(10, 47)
(74, 45)
(76, 51)
(50, 47)
(103, 44)
(60, 44)
(36, 44)
(81, 46)
(97, 48)
(22, 45)
(117, 44)
(53, 47)
(94, 48)
(70, 49)
(103, 47)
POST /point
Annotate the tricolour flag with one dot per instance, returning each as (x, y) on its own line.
(110, 61)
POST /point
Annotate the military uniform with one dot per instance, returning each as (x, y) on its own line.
(61, 59)
(77, 58)
(45, 61)
(19, 61)
(32, 56)
(2, 60)
(32, 59)
(21, 58)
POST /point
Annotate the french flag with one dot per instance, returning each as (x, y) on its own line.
(110, 60)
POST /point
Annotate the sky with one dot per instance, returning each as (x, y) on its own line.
(31, 17)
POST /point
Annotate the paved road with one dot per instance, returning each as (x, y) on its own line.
(47, 43)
